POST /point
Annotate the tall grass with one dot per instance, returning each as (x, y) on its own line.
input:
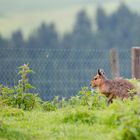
(120, 120)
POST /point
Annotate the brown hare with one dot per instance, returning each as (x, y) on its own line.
(112, 88)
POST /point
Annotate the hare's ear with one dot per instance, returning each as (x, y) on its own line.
(101, 72)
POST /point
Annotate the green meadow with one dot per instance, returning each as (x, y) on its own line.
(86, 116)
(118, 121)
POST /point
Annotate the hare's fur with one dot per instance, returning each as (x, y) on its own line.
(112, 88)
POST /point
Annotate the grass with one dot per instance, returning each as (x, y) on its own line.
(72, 123)
(39, 125)
(83, 117)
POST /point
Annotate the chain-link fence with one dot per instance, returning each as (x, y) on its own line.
(59, 72)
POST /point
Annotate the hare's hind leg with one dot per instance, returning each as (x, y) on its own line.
(110, 98)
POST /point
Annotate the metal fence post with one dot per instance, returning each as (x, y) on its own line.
(114, 62)
(136, 62)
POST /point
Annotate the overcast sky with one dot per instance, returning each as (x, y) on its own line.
(28, 14)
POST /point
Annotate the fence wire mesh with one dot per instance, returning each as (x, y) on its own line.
(59, 72)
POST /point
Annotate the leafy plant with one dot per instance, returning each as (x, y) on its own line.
(48, 106)
(18, 96)
(6, 95)
(74, 101)
(80, 115)
(92, 99)
(23, 99)
(136, 84)
(10, 111)
(24, 84)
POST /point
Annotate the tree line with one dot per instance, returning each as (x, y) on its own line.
(120, 29)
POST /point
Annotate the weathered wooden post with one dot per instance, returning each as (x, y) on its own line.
(114, 62)
(136, 62)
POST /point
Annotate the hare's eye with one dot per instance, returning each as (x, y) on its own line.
(95, 78)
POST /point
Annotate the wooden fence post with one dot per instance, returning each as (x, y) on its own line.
(136, 62)
(114, 62)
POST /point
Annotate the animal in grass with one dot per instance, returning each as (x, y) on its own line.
(112, 89)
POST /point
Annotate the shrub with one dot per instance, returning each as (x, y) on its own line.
(56, 103)
(9, 111)
(6, 95)
(18, 96)
(26, 101)
(74, 101)
(80, 115)
(23, 99)
(48, 106)
(130, 121)
(136, 83)
(92, 99)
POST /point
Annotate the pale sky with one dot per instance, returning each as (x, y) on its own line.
(28, 14)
